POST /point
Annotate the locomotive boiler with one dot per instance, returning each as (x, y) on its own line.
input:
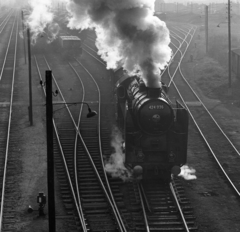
(155, 132)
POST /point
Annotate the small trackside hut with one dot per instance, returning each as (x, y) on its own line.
(70, 45)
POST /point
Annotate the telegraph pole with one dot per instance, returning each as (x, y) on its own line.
(30, 78)
(50, 157)
(229, 49)
(206, 27)
(23, 28)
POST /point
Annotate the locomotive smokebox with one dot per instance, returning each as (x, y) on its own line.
(153, 92)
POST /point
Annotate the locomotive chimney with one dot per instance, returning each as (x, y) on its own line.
(154, 92)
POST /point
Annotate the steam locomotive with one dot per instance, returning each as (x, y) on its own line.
(155, 133)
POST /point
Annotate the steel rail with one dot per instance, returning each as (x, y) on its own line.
(212, 152)
(179, 207)
(76, 144)
(208, 145)
(5, 21)
(100, 61)
(5, 58)
(9, 124)
(100, 149)
(178, 49)
(143, 209)
(90, 48)
(182, 56)
(145, 197)
(219, 127)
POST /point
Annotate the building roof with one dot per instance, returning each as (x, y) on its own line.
(69, 37)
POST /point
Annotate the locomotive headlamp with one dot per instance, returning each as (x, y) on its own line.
(137, 172)
(138, 169)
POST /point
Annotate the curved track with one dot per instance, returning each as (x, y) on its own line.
(92, 196)
(227, 155)
(85, 144)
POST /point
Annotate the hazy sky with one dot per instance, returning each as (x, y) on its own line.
(201, 1)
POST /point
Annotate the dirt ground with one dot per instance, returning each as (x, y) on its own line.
(216, 206)
(214, 92)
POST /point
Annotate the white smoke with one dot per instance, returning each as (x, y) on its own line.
(188, 173)
(128, 34)
(115, 164)
(53, 30)
(41, 14)
(39, 17)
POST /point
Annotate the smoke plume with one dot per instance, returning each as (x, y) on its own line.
(188, 173)
(115, 164)
(128, 34)
(39, 17)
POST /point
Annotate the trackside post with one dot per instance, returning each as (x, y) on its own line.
(50, 158)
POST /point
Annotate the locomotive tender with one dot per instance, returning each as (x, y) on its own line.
(155, 133)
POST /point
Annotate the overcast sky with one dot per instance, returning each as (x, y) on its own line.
(201, 1)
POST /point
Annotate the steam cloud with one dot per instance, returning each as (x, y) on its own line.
(128, 34)
(115, 164)
(39, 18)
(188, 173)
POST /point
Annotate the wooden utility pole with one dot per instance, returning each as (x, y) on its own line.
(23, 29)
(50, 157)
(30, 78)
(229, 49)
(206, 27)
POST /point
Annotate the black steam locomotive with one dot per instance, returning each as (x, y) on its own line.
(155, 133)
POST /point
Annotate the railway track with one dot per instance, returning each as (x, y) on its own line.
(140, 219)
(91, 194)
(88, 146)
(80, 153)
(8, 139)
(166, 207)
(222, 150)
(226, 155)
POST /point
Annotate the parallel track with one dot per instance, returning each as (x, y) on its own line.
(68, 133)
(9, 160)
(228, 159)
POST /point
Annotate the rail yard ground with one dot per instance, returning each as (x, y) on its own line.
(215, 205)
